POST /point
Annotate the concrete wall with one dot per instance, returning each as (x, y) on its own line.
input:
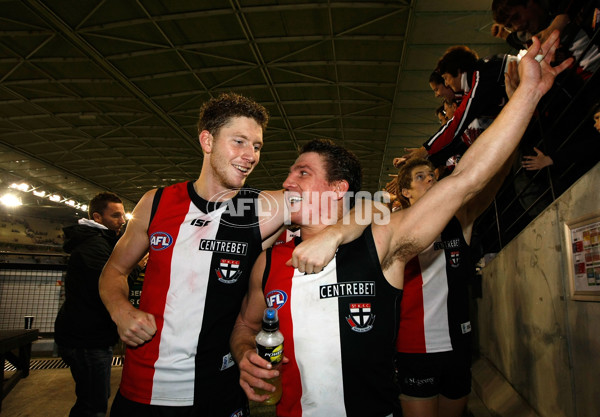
(545, 345)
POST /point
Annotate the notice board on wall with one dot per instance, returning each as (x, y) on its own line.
(583, 246)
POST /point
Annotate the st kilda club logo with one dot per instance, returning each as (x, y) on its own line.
(228, 271)
(360, 319)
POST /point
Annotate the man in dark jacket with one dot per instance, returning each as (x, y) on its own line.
(84, 331)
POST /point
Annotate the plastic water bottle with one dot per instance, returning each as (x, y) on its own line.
(269, 346)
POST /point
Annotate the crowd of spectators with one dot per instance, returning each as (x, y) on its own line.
(559, 146)
(561, 141)
(473, 91)
(30, 234)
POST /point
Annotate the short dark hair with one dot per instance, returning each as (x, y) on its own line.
(405, 174)
(440, 110)
(449, 102)
(340, 163)
(100, 201)
(217, 112)
(436, 78)
(502, 9)
(459, 57)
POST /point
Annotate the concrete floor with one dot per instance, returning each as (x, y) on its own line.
(51, 393)
(46, 392)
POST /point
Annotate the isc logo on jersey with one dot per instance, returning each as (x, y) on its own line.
(160, 240)
(276, 299)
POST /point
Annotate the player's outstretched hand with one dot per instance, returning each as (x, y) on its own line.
(535, 73)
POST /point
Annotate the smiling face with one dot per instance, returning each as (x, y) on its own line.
(441, 91)
(231, 155)
(453, 82)
(310, 197)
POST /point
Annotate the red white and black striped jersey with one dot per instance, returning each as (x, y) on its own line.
(201, 255)
(434, 315)
(339, 327)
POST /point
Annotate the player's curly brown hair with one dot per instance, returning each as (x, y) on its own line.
(217, 112)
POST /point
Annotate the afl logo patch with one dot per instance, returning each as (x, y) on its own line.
(160, 240)
(276, 299)
(238, 413)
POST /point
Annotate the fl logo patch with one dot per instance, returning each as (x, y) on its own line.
(160, 240)
(276, 299)
(360, 319)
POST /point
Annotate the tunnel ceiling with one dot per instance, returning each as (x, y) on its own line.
(104, 95)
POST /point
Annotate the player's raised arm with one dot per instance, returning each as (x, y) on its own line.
(415, 228)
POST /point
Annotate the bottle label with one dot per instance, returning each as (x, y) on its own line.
(274, 354)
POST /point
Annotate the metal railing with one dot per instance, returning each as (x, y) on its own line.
(30, 290)
(563, 127)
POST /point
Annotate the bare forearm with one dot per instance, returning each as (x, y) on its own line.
(135, 326)
(242, 339)
(491, 150)
(317, 250)
(114, 291)
(270, 241)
